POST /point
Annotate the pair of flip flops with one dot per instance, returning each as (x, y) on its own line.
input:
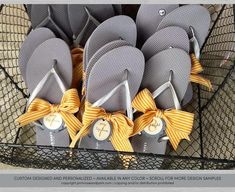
(167, 34)
(113, 73)
(73, 23)
(46, 65)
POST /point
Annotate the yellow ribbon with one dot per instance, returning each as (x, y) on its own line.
(196, 69)
(69, 105)
(178, 123)
(122, 127)
(77, 59)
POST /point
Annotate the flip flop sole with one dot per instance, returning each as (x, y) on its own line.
(33, 40)
(174, 37)
(115, 28)
(157, 72)
(169, 37)
(106, 48)
(105, 75)
(189, 15)
(42, 61)
(148, 144)
(39, 64)
(110, 70)
(149, 17)
(188, 95)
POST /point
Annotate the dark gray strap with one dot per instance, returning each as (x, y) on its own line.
(49, 19)
(78, 39)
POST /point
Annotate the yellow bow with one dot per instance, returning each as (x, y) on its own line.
(77, 59)
(69, 105)
(196, 69)
(178, 123)
(122, 127)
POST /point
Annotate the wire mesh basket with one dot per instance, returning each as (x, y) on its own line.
(213, 137)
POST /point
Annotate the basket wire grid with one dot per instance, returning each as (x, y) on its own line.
(213, 137)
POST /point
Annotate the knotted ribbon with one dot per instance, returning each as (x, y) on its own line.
(69, 105)
(178, 123)
(122, 127)
(196, 69)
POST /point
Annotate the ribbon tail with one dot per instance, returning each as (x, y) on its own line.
(121, 144)
(72, 123)
(83, 131)
(32, 116)
(201, 80)
(176, 137)
(179, 126)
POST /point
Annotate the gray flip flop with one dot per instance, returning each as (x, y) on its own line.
(42, 16)
(149, 17)
(166, 75)
(187, 16)
(157, 72)
(60, 16)
(33, 40)
(115, 28)
(48, 75)
(194, 19)
(188, 95)
(84, 18)
(118, 67)
(106, 48)
(174, 37)
(169, 37)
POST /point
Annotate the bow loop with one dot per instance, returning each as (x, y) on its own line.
(178, 123)
(145, 105)
(69, 105)
(122, 127)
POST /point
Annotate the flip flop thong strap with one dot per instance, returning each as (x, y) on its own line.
(178, 123)
(44, 80)
(91, 18)
(122, 127)
(106, 97)
(48, 19)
